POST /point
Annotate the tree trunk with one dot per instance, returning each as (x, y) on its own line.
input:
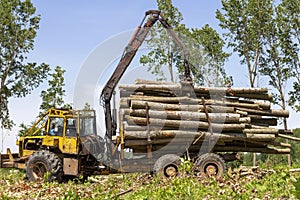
(186, 115)
(136, 104)
(184, 125)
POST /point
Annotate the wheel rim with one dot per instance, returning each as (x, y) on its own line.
(170, 170)
(38, 170)
(211, 169)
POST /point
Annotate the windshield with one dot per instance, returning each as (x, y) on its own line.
(87, 123)
(87, 126)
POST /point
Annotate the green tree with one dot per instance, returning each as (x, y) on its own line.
(53, 97)
(213, 58)
(289, 13)
(247, 24)
(205, 47)
(273, 61)
(245, 21)
(18, 29)
(23, 128)
(163, 49)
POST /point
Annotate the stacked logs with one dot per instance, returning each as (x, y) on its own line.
(180, 116)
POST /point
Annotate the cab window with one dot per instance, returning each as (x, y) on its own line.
(56, 126)
(71, 130)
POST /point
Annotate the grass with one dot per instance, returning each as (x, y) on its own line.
(279, 184)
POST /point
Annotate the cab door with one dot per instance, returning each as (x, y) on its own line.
(70, 139)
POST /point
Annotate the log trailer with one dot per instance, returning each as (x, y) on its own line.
(64, 143)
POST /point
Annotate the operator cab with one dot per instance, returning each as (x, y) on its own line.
(79, 123)
(62, 129)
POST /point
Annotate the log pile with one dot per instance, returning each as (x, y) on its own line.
(181, 116)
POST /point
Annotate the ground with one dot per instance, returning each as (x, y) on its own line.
(246, 183)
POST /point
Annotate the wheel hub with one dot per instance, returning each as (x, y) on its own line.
(170, 171)
(211, 170)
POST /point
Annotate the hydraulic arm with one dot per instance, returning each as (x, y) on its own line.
(127, 56)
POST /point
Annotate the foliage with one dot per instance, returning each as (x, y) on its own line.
(265, 34)
(87, 106)
(276, 185)
(213, 59)
(53, 96)
(186, 165)
(297, 188)
(270, 160)
(18, 25)
(163, 50)
(247, 159)
(245, 21)
(273, 61)
(295, 148)
(205, 46)
(266, 37)
(23, 129)
(289, 13)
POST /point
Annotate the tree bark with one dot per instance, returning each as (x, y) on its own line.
(184, 125)
(275, 113)
(135, 104)
(190, 135)
(186, 115)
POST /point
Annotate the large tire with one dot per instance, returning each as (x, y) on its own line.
(167, 165)
(210, 164)
(44, 165)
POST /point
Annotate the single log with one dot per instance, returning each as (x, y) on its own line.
(255, 96)
(232, 91)
(128, 127)
(135, 104)
(185, 125)
(289, 137)
(150, 87)
(183, 100)
(261, 131)
(191, 136)
(264, 130)
(186, 115)
(294, 170)
(276, 113)
(163, 99)
(280, 144)
(241, 113)
(251, 93)
(264, 105)
(151, 82)
(245, 120)
(251, 126)
(206, 89)
(160, 93)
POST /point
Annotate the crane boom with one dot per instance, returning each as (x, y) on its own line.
(127, 56)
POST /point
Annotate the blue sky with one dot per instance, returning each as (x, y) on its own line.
(71, 30)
